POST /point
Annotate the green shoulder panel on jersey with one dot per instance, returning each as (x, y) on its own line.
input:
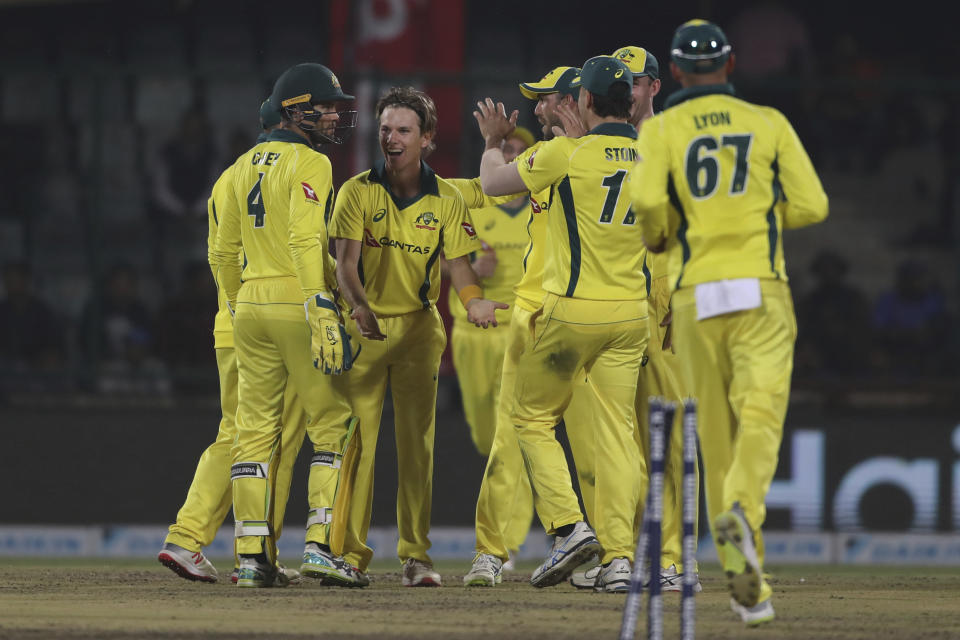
(573, 233)
(646, 273)
(772, 232)
(425, 287)
(682, 228)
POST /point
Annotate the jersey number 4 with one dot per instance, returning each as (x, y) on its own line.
(255, 204)
(703, 169)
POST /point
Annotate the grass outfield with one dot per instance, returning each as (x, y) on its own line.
(98, 598)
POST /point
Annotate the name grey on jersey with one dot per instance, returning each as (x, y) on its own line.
(621, 154)
(262, 158)
(712, 119)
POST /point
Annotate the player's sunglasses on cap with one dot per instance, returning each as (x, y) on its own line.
(600, 73)
(640, 61)
(556, 81)
(699, 47)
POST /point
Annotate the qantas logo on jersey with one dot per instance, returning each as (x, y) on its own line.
(469, 229)
(538, 207)
(309, 192)
(385, 241)
(426, 220)
(530, 159)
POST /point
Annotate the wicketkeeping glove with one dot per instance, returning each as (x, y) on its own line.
(329, 341)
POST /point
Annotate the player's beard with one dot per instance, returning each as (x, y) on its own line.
(551, 122)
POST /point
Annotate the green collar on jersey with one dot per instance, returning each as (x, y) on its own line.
(285, 135)
(262, 137)
(513, 211)
(622, 129)
(697, 92)
(428, 183)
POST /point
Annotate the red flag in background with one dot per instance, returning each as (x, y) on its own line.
(377, 44)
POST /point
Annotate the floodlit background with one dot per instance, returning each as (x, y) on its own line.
(108, 384)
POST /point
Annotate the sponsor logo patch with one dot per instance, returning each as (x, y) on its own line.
(378, 216)
(469, 229)
(248, 470)
(309, 192)
(426, 220)
(323, 458)
(369, 240)
(530, 159)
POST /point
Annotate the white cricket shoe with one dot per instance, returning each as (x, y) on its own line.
(417, 573)
(670, 580)
(331, 569)
(487, 571)
(567, 554)
(585, 579)
(757, 614)
(191, 565)
(286, 576)
(740, 562)
(253, 574)
(615, 577)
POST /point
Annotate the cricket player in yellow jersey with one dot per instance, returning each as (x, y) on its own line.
(505, 484)
(711, 171)
(660, 375)
(477, 352)
(209, 497)
(287, 324)
(593, 318)
(390, 225)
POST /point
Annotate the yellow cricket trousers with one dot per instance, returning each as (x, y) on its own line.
(408, 360)
(480, 357)
(210, 495)
(739, 365)
(478, 360)
(272, 341)
(607, 340)
(662, 377)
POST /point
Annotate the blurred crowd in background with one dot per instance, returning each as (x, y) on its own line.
(106, 166)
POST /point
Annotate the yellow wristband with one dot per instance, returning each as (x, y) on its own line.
(468, 293)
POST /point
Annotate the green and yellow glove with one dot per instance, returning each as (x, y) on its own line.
(329, 341)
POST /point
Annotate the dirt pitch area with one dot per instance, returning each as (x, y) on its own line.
(47, 598)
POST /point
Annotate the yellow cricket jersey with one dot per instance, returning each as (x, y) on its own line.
(401, 238)
(222, 323)
(710, 172)
(593, 245)
(504, 229)
(529, 289)
(281, 196)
